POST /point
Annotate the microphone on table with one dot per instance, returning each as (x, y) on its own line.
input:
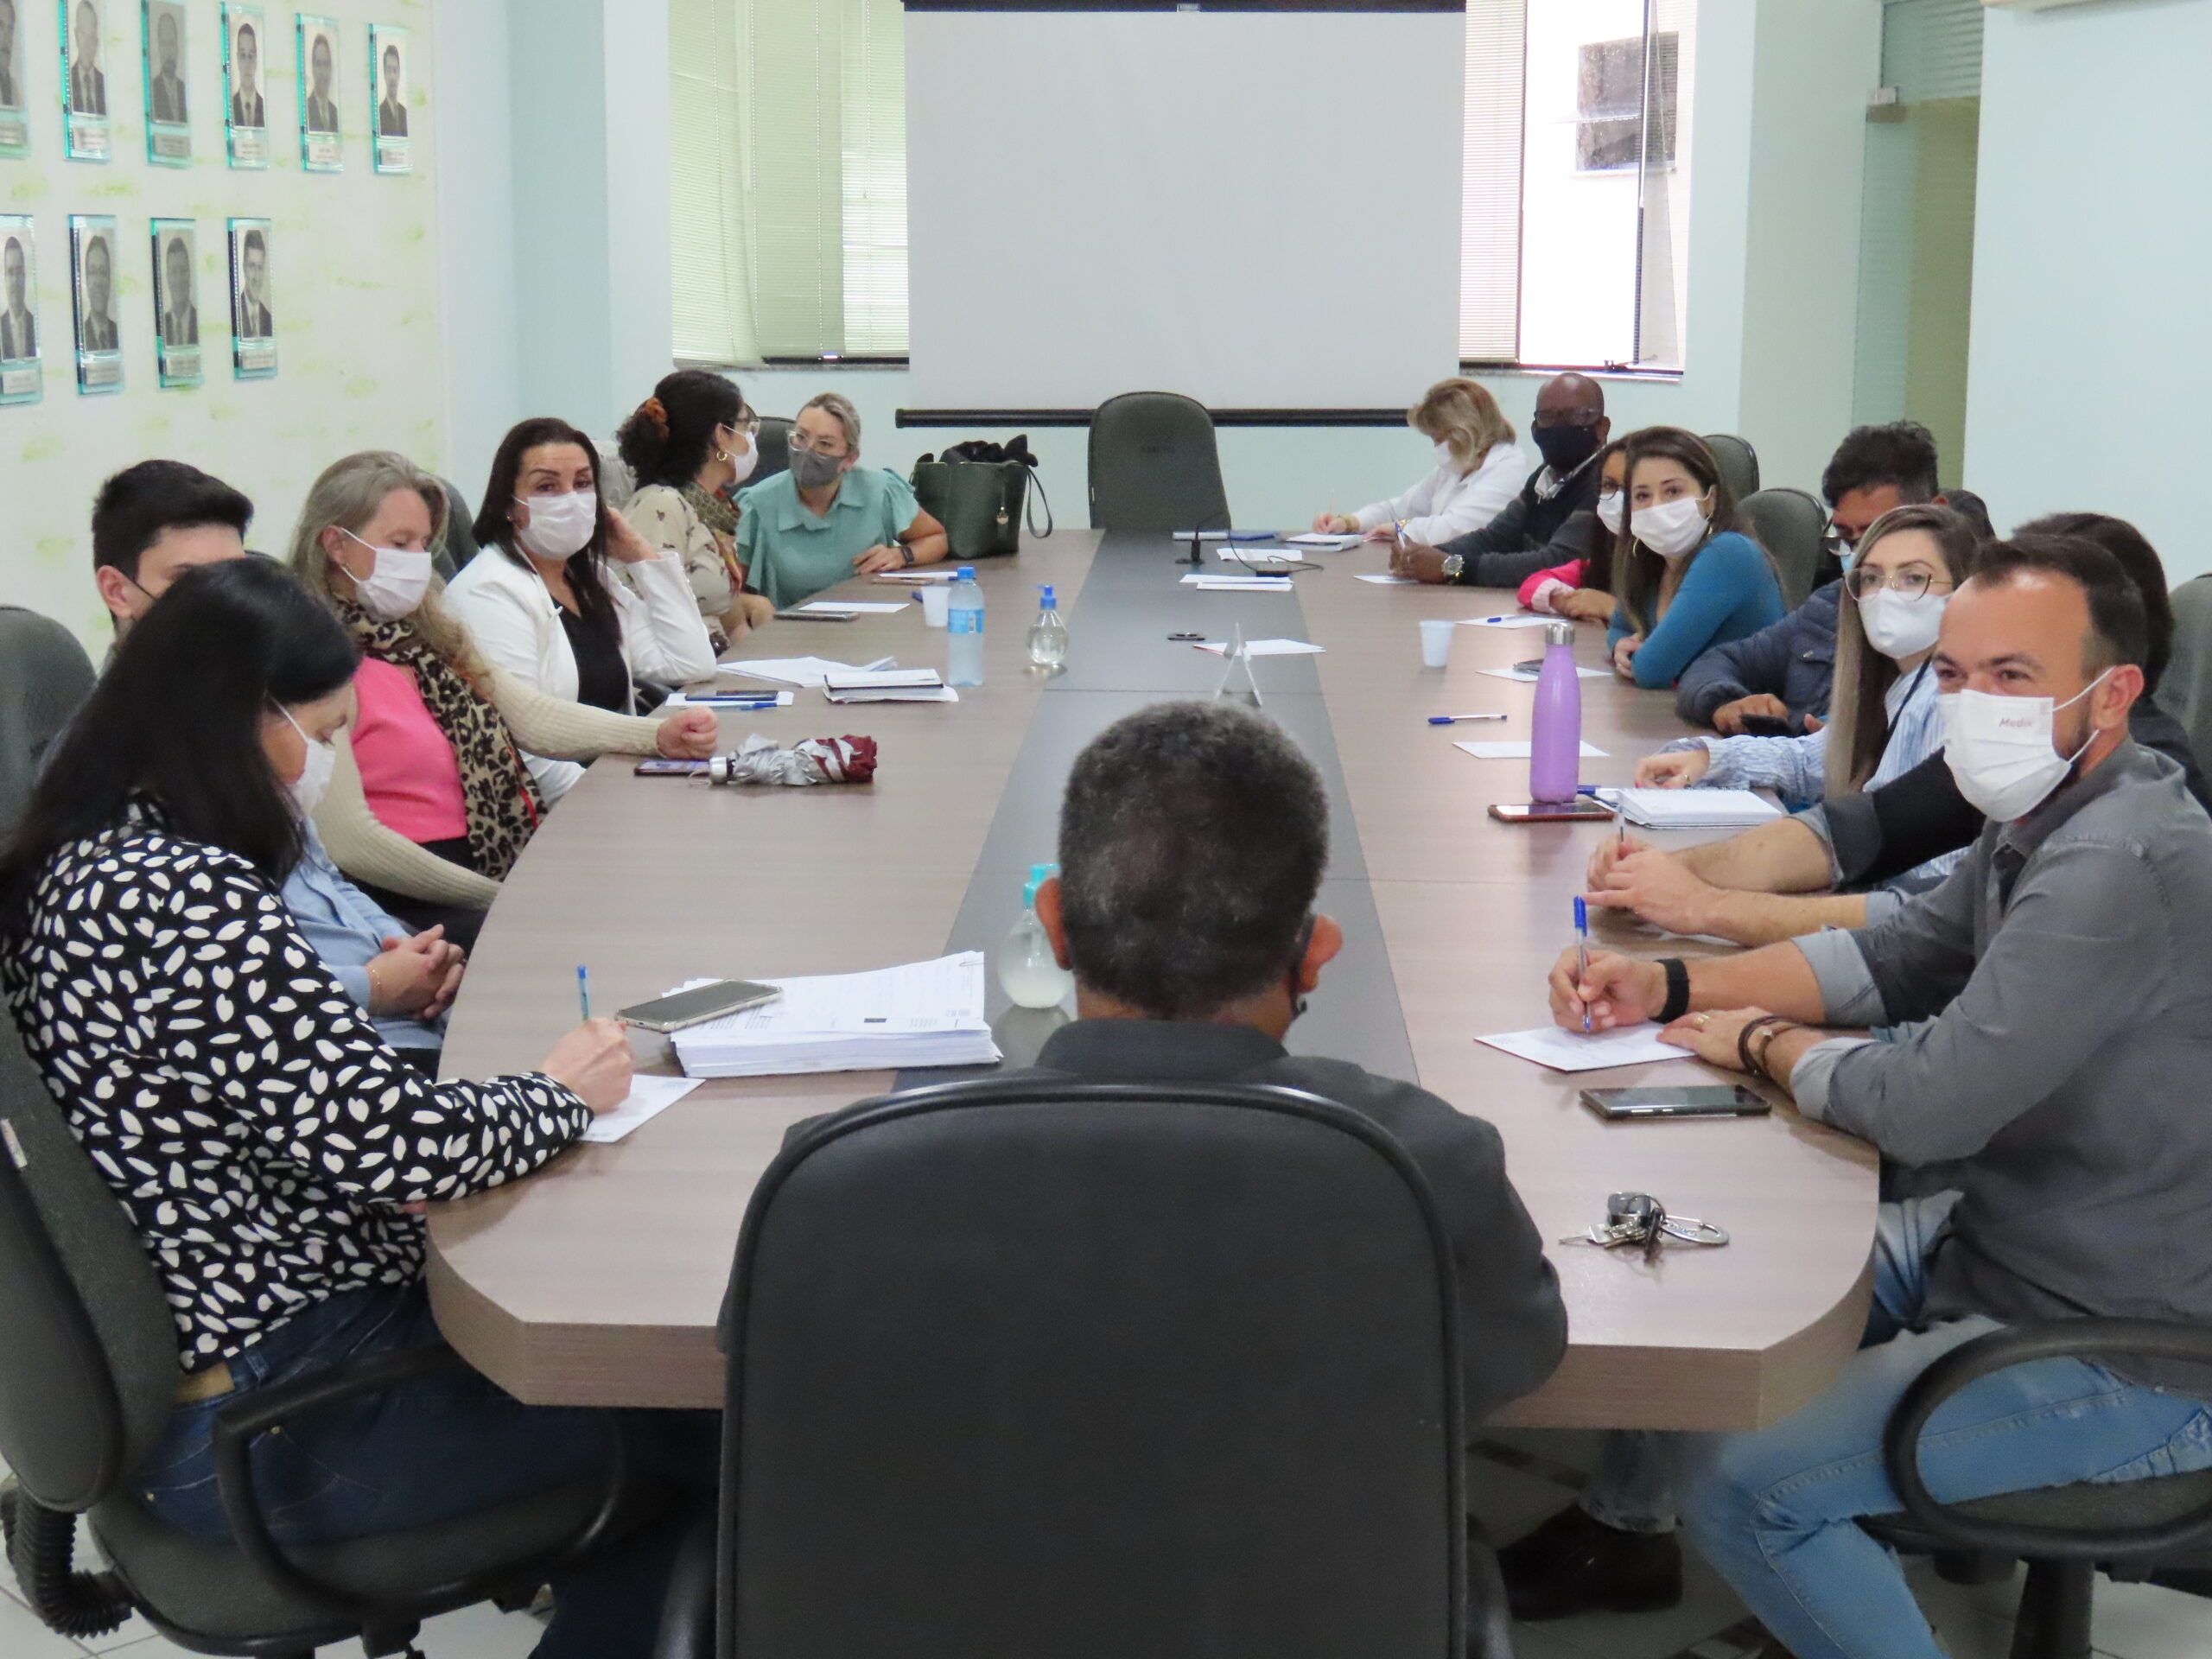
(1198, 537)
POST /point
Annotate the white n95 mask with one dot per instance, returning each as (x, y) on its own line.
(1612, 510)
(741, 464)
(1672, 528)
(1999, 749)
(560, 525)
(1900, 625)
(306, 790)
(395, 583)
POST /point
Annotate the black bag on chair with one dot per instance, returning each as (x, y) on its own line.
(979, 492)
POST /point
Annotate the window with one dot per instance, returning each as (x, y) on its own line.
(1576, 184)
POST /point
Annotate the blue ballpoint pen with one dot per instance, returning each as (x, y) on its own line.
(1451, 720)
(583, 987)
(1582, 951)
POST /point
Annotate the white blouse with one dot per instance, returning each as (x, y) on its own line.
(1448, 503)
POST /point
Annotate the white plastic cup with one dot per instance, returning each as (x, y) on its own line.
(1436, 641)
(937, 599)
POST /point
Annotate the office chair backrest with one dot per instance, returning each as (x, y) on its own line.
(1154, 465)
(617, 484)
(88, 1366)
(44, 676)
(1739, 462)
(459, 547)
(1093, 1370)
(1788, 523)
(773, 439)
(2185, 690)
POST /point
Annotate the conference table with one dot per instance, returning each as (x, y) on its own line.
(598, 1280)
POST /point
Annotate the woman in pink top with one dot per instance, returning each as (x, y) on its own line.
(1583, 588)
(431, 802)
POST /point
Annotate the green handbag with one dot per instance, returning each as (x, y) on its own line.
(979, 492)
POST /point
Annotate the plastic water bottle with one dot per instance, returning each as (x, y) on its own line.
(1556, 733)
(964, 644)
(1027, 972)
(1048, 635)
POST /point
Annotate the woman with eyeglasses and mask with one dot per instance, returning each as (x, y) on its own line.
(690, 445)
(432, 801)
(565, 597)
(829, 518)
(268, 1147)
(1583, 588)
(1687, 578)
(1884, 718)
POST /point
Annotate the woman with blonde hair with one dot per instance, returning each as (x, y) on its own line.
(431, 802)
(1479, 471)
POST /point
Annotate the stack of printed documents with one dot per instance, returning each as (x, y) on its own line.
(923, 1013)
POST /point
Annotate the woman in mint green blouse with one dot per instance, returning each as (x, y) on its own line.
(829, 518)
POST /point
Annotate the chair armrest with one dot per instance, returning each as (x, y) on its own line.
(2085, 1339)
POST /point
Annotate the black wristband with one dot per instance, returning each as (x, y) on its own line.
(1678, 991)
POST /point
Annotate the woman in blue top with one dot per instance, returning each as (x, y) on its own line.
(1688, 580)
(829, 518)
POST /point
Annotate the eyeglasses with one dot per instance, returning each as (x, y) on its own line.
(1864, 582)
(812, 446)
(1567, 417)
(747, 424)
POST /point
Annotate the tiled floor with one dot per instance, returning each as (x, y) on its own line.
(2132, 1621)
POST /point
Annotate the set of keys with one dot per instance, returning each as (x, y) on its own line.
(1639, 1219)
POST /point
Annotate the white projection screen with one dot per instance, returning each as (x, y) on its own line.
(1258, 208)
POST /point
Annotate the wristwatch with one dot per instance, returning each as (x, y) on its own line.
(1453, 565)
(906, 554)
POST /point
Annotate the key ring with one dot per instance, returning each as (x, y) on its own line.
(1640, 1219)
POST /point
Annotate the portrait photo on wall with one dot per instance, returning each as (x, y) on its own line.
(245, 116)
(99, 336)
(86, 133)
(253, 325)
(21, 380)
(176, 300)
(388, 85)
(318, 64)
(169, 130)
(15, 117)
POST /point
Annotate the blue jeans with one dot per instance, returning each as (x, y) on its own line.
(1777, 1511)
(444, 1446)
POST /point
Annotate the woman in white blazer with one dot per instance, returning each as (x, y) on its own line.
(1478, 470)
(566, 597)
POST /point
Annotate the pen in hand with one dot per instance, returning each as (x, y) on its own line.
(1581, 952)
(583, 989)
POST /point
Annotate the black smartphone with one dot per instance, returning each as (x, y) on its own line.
(1580, 810)
(1645, 1100)
(1769, 725)
(701, 1003)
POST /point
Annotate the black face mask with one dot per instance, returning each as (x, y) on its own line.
(1566, 448)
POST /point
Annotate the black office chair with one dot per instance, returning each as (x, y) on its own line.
(1789, 524)
(773, 440)
(2186, 689)
(2159, 1529)
(1739, 462)
(1154, 466)
(458, 546)
(44, 676)
(88, 1378)
(1089, 1370)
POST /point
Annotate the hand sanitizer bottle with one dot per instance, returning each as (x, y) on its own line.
(1048, 634)
(1027, 972)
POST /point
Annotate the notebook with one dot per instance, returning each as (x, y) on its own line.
(1690, 808)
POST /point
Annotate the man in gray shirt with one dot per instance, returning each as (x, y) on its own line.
(2065, 971)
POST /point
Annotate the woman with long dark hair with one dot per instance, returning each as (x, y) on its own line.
(688, 446)
(271, 1150)
(1583, 588)
(1687, 578)
(563, 596)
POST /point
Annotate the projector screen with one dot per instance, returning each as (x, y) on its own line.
(1260, 210)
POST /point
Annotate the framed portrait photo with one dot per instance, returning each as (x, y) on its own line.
(388, 88)
(320, 150)
(169, 125)
(87, 133)
(245, 111)
(22, 379)
(176, 301)
(99, 336)
(253, 323)
(14, 106)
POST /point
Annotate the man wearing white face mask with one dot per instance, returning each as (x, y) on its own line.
(573, 612)
(2065, 974)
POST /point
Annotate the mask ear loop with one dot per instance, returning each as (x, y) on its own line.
(1297, 961)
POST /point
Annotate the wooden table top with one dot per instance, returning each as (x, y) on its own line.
(597, 1281)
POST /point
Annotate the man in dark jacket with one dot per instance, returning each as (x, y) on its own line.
(1554, 520)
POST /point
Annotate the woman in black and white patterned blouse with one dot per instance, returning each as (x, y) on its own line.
(271, 1150)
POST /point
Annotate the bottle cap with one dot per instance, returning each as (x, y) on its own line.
(965, 573)
(1559, 633)
(1046, 590)
(1037, 875)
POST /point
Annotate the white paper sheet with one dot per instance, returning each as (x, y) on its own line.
(1266, 648)
(1241, 584)
(913, 578)
(1527, 620)
(1530, 677)
(1319, 538)
(713, 699)
(1261, 555)
(865, 607)
(1510, 750)
(1383, 579)
(919, 1013)
(648, 1098)
(1570, 1050)
(800, 670)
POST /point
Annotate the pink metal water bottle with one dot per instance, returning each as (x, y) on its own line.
(1556, 733)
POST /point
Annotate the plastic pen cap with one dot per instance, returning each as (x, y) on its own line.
(1581, 914)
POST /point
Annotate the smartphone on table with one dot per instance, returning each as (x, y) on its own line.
(697, 1004)
(1580, 810)
(1644, 1100)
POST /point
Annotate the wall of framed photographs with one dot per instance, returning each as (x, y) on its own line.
(218, 243)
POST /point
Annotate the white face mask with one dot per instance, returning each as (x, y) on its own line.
(560, 525)
(1612, 510)
(1899, 625)
(1999, 749)
(741, 463)
(1671, 528)
(395, 583)
(308, 788)
(1446, 458)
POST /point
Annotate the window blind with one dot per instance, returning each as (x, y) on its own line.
(1490, 184)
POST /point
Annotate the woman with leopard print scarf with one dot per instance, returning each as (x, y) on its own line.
(431, 802)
